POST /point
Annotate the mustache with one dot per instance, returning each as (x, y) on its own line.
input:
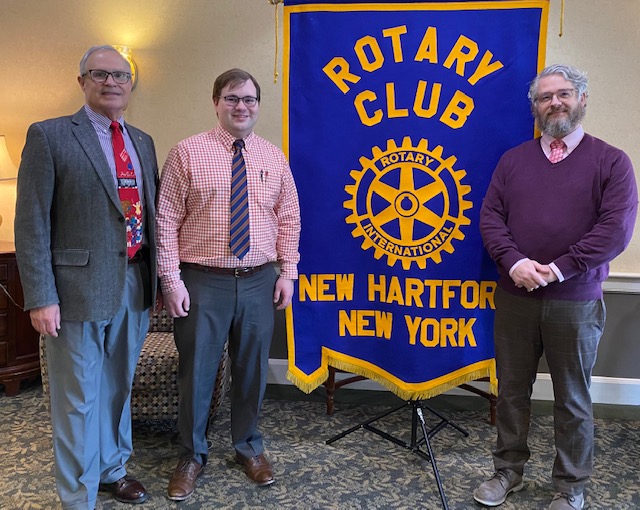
(557, 109)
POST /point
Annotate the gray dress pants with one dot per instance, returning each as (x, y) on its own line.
(568, 332)
(222, 306)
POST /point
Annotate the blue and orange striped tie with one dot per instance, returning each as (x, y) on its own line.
(239, 231)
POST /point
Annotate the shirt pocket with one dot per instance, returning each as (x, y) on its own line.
(266, 189)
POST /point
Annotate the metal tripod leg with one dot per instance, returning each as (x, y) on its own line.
(364, 424)
(432, 459)
(417, 417)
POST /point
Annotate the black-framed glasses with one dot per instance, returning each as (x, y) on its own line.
(234, 100)
(100, 76)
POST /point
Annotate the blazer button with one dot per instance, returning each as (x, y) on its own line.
(123, 254)
(120, 219)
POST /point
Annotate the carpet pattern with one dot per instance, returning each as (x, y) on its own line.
(359, 471)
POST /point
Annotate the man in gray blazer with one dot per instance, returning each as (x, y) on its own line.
(85, 289)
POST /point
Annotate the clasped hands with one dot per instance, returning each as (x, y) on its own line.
(532, 275)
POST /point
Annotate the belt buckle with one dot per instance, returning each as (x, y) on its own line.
(239, 272)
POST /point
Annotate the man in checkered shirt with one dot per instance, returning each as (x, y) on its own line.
(214, 294)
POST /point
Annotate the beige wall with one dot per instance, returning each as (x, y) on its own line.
(181, 46)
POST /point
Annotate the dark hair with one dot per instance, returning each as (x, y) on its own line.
(233, 77)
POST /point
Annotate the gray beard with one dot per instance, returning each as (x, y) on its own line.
(561, 127)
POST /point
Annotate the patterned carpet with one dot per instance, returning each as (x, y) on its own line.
(359, 471)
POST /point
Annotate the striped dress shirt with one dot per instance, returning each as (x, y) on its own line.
(102, 125)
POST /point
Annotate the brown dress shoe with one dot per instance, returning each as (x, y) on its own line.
(257, 468)
(126, 490)
(183, 480)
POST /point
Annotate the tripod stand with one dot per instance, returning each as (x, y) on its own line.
(417, 418)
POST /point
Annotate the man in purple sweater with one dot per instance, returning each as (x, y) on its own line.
(559, 208)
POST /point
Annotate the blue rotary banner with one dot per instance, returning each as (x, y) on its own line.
(395, 117)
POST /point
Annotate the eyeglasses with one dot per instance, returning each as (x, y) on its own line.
(247, 100)
(100, 76)
(562, 95)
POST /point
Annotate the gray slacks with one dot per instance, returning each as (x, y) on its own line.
(568, 332)
(241, 309)
(91, 366)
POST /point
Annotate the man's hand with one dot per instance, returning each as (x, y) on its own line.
(526, 275)
(46, 319)
(283, 293)
(546, 272)
(177, 302)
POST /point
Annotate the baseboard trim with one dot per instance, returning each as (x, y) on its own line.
(604, 390)
(622, 283)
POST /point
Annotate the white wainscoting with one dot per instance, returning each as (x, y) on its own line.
(604, 390)
(625, 283)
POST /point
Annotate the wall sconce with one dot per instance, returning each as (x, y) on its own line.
(125, 51)
(8, 181)
(8, 169)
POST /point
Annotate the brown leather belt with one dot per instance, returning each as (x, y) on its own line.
(237, 272)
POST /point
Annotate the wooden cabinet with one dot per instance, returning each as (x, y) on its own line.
(19, 342)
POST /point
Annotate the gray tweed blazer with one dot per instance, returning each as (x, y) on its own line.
(69, 229)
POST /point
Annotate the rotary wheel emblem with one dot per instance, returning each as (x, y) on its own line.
(408, 203)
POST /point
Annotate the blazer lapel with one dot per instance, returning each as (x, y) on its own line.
(85, 133)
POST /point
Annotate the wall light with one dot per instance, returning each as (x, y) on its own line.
(8, 181)
(125, 51)
(8, 169)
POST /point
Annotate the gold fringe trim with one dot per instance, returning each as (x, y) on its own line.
(407, 394)
(308, 386)
(321, 375)
(561, 19)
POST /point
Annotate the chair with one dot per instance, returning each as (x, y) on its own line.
(154, 394)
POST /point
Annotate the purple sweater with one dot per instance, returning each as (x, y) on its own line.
(578, 213)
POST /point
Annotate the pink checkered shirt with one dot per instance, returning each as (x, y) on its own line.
(193, 207)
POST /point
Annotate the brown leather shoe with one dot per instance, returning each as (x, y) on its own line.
(257, 468)
(183, 480)
(126, 490)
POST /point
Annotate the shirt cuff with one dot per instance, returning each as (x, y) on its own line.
(171, 282)
(513, 267)
(289, 271)
(557, 271)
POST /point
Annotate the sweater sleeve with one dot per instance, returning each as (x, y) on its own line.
(613, 229)
(496, 235)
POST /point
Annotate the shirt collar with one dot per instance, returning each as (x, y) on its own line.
(100, 121)
(227, 138)
(571, 140)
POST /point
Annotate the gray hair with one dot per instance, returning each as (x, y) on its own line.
(92, 50)
(577, 78)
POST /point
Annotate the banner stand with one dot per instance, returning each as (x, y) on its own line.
(417, 416)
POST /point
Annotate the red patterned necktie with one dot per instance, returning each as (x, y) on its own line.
(557, 151)
(128, 191)
(239, 224)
